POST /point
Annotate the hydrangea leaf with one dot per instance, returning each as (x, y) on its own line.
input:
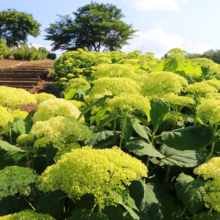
(186, 158)
(83, 214)
(190, 192)
(140, 147)
(190, 138)
(113, 213)
(158, 113)
(205, 216)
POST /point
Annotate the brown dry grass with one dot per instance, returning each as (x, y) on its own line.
(13, 63)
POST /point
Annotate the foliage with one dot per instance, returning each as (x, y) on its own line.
(16, 26)
(95, 26)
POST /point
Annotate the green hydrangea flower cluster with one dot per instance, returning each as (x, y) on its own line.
(130, 102)
(58, 130)
(112, 86)
(211, 171)
(78, 83)
(78, 104)
(200, 89)
(114, 70)
(102, 60)
(56, 107)
(214, 83)
(27, 215)
(158, 84)
(13, 96)
(23, 139)
(178, 102)
(19, 114)
(209, 111)
(43, 96)
(5, 117)
(16, 180)
(102, 173)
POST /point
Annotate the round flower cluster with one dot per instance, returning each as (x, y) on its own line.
(102, 173)
(160, 83)
(43, 96)
(211, 171)
(5, 117)
(103, 60)
(19, 114)
(130, 102)
(209, 111)
(214, 83)
(27, 215)
(23, 139)
(78, 83)
(78, 104)
(13, 96)
(16, 180)
(56, 107)
(58, 130)
(200, 89)
(178, 102)
(114, 70)
(114, 86)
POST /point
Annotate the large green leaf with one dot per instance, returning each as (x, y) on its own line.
(105, 121)
(190, 138)
(85, 202)
(113, 213)
(51, 203)
(140, 129)
(70, 94)
(186, 158)
(141, 147)
(145, 199)
(205, 216)
(190, 192)
(128, 203)
(128, 130)
(84, 214)
(20, 127)
(158, 113)
(141, 216)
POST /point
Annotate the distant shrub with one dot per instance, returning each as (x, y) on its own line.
(51, 56)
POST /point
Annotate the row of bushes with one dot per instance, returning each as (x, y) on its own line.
(25, 52)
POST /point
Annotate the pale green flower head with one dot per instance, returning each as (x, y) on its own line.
(5, 117)
(178, 102)
(215, 96)
(213, 83)
(102, 60)
(16, 180)
(23, 139)
(133, 62)
(63, 79)
(70, 75)
(59, 131)
(114, 70)
(209, 111)
(150, 55)
(13, 96)
(198, 62)
(56, 107)
(158, 84)
(19, 114)
(200, 89)
(102, 173)
(112, 86)
(211, 171)
(130, 102)
(78, 83)
(78, 104)
(27, 215)
(43, 96)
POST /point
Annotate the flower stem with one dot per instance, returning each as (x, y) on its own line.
(115, 137)
(123, 130)
(99, 208)
(27, 155)
(167, 174)
(10, 135)
(28, 202)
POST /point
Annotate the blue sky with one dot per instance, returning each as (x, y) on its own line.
(193, 25)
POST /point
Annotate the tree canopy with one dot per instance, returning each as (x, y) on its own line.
(16, 26)
(95, 26)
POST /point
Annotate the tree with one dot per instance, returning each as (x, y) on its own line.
(95, 26)
(16, 26)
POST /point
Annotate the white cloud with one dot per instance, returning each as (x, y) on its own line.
(202, 47)
(146, 5)
(155, 40)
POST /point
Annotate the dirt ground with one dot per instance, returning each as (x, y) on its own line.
(43, 85)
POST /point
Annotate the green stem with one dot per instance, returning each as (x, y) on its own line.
(27, 156)
(167, 174)
(99, 208)
(123, 130)
(28, 202)
(115, 137)
(10, 135)
(210, 211)
(147, 162)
